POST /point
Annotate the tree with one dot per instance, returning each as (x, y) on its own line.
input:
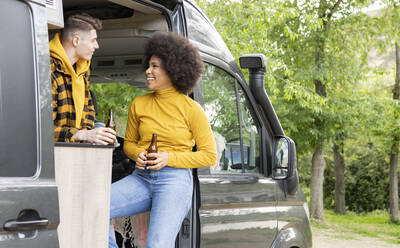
(325, 54)
(317, 51)
(388, 21)
(394, 155)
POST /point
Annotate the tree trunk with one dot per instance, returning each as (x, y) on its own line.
(394, 191)
(340, 201)
(318, 161)
(394, 156)
(317, 180)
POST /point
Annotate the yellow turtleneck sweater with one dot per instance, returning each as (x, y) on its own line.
(77, 77)
(179, 123)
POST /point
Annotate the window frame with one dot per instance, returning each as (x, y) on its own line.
(35, 165)
(265, 137)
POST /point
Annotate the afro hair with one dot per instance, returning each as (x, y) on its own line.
(179, 58)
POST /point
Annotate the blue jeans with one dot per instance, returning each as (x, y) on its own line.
(167, 193)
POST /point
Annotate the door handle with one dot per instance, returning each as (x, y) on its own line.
(25, 225)
(28, 219)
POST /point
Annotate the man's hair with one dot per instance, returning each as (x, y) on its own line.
(79, 22)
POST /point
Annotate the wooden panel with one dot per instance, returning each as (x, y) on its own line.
(83, 176)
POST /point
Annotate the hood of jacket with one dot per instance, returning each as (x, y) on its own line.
(57, 52)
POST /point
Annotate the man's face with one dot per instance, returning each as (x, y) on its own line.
(86, 44)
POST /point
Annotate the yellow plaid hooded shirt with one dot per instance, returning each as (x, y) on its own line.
(64, 112)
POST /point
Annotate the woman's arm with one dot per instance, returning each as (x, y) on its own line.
(206, 154)
(131, 147)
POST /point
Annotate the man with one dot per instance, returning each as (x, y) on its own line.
(70, 55)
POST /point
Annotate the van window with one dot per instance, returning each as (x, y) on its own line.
(250, 133)
(204, 35)
(225, 104)
(18, 108)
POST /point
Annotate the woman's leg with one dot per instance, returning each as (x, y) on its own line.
(129, 196)
(172, 190)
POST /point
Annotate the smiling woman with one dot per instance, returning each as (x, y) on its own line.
(164, 178)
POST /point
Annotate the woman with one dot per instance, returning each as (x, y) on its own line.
(162, 182)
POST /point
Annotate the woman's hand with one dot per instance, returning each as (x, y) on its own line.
(141, 160)
(159, 162)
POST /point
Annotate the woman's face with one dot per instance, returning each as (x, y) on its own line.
(157, 77)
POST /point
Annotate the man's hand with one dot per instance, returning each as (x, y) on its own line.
(100, 136)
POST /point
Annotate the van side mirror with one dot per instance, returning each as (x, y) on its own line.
(285, 159)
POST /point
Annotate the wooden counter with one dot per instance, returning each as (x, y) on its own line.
(83, 177)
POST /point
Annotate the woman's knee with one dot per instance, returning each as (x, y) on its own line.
(129, 196)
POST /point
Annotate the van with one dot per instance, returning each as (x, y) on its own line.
(250, 198)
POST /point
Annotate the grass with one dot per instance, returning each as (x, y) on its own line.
(375, 224)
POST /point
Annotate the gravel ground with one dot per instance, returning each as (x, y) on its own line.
(326, 238)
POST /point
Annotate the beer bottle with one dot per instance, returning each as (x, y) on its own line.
(153, 146)
(110, 122)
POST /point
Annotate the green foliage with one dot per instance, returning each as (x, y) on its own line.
(387, 25)
(301, 49)
(117, 96)
(366, 180)
(367, 183)
(316, 41)
(219, 94)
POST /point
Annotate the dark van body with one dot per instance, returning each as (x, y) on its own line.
(250, 198)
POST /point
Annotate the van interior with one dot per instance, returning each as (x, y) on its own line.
(117, 65)
(117, 73)
(117, 70)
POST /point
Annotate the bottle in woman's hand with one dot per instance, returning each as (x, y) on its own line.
(152, 147)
